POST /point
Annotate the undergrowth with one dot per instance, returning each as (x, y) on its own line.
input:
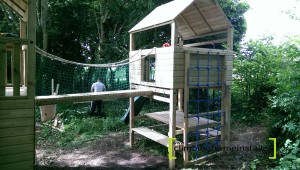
(79, 127)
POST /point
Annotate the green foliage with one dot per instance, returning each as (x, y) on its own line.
(266, 86)
(286, 105)
(254, 71)
(254, 163)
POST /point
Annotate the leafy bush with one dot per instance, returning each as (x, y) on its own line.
(266, 85)
(286, 106)
(254, 70)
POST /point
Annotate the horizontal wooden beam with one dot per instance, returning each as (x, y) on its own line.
(154, 89)
(206, 42)
(206, 34)
(80, 97)
(194, 50)
(13, 40)
(162, 99)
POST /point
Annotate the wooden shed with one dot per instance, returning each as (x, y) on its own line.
(171, 72)
(17, 91)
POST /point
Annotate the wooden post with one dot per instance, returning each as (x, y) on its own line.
(186, 99)
(227, 99)
(131, 121)
(226, 92)
(172, 123)
(230, 39)
(52, 86)
(16, 70)
(31, 49)
(180, 41)
(131, 48)
(23, 54)
(174, 34)
(132, 42)
(3, 59)
(180, 100)
(23, 65)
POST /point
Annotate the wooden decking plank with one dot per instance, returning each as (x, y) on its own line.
(153, 135)
(193, 122)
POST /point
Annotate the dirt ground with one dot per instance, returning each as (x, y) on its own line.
(113, 152)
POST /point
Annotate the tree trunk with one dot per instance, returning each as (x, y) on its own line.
(44, 17)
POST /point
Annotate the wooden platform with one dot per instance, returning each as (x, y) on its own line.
(193, 122)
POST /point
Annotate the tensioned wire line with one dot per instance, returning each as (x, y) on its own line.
(115, 64)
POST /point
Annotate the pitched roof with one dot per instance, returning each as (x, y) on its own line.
(193, 17)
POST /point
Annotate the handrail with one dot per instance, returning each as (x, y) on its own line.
(13, 40)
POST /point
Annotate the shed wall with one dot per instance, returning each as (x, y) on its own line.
(17, 134)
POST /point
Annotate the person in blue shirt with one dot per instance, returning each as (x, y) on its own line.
(97, 104)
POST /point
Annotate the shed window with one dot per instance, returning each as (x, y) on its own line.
(148, 68)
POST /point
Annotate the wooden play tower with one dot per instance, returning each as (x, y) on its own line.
(177, 72)
(17, 90)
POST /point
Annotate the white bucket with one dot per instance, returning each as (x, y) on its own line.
(48, 112)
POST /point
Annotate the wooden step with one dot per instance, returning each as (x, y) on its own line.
(152, 134)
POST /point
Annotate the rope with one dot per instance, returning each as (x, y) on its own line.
(108, 65)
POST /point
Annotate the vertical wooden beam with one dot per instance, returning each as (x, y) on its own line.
(16, 69)
(230, 39)
(174, 34)
(131, 42)
(22, 29)
(132, 48)
(52, 86)
(3, 76)
(23, 65)
(23, 54)
(228, 90)
(180, 100)
(131, 121)
(226, 104)
(172, 123)
(186, 99)
(146, 68)
(31, 61)
(180, 42)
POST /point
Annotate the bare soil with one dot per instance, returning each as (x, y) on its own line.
(113, 152)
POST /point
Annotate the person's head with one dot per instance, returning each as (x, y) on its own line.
(98, 80)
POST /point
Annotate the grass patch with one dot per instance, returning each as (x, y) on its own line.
(79, 127)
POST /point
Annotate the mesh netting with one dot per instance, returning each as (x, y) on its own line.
(76, 77)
